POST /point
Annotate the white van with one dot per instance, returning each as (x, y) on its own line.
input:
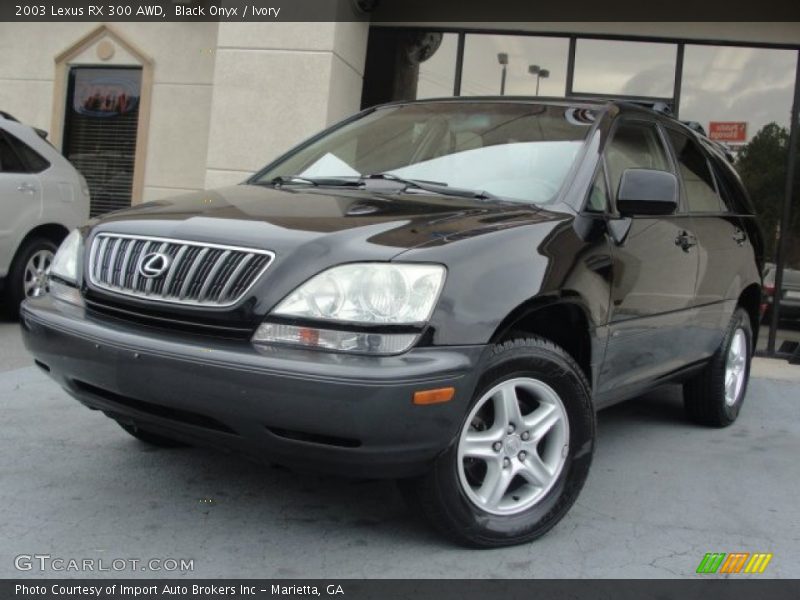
(42, 197)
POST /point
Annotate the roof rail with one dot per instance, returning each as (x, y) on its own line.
(8, 116)
(695, 126)
(658, 106)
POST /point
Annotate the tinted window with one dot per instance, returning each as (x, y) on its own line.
(9, 161)
(701, 193)
(733, 195)
(635, 145)
(34, 162)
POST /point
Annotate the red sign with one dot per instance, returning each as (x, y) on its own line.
(727, 131)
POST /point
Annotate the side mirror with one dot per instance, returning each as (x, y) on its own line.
(647, 192)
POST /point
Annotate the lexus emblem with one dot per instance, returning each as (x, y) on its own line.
(154, 264)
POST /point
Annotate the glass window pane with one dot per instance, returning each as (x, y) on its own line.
(33, 160)
(624, 68)
(729, 84)
(437, 74)
(530, 61)
(698, 183)
(788, 331)
(518, 151)
(100, 127)
(406, 64)
(9, 161)
(634, 146)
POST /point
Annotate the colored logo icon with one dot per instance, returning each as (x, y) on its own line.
(733, 563)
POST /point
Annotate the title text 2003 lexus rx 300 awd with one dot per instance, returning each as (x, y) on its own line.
(442, 292)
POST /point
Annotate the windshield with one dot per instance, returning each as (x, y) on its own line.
(520, 152)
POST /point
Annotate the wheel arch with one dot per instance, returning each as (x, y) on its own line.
(55, 232)
(563, 320)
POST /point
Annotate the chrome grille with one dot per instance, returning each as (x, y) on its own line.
(196, 274)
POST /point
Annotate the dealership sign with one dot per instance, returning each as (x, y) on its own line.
(727, 131)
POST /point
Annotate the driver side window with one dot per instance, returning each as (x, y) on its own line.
(635, 145)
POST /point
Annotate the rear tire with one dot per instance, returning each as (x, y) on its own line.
(715, 396)
(28, 273)
(152, 439)
(522, 454)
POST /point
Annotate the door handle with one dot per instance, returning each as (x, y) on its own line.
(685, 240)
(739, 236)
(26, 188)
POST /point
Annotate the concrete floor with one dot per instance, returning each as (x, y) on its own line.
(661, 494)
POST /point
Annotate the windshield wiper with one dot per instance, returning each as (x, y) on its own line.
(290, 180)
(435, 187)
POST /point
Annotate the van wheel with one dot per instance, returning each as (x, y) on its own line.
(714, 396)
(28, 275)
(153, 439)
(522, 454)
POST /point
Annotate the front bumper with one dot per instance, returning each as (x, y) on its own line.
(346, 414)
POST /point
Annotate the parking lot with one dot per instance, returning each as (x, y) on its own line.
(662, 493)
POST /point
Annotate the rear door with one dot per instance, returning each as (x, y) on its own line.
(722, 246)
(20, 199)
(654, 275)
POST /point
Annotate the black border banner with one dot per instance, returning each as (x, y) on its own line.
(394, 11)
(396, 589)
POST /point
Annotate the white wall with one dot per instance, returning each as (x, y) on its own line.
(276, 84)
(183, 72)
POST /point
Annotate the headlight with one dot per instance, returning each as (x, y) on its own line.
(368, 293)
(65, 269)
(65, 262)
(363, 294)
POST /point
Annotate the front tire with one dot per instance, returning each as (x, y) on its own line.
(523, 452)
(715, 396)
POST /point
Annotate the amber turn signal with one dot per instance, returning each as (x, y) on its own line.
(434, 396)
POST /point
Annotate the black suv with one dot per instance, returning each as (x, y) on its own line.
(442, 292)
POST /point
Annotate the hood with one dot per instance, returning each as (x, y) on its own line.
(346, 224)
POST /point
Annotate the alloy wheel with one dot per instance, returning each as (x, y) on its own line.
(736, 367)
(37, 272)
(513, 446)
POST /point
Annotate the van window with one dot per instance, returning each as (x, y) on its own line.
(33, 162)
(9, 161)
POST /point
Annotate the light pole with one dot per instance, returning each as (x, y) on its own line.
(540, 74)
(502, 58)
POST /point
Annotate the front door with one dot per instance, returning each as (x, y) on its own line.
(654, 275)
